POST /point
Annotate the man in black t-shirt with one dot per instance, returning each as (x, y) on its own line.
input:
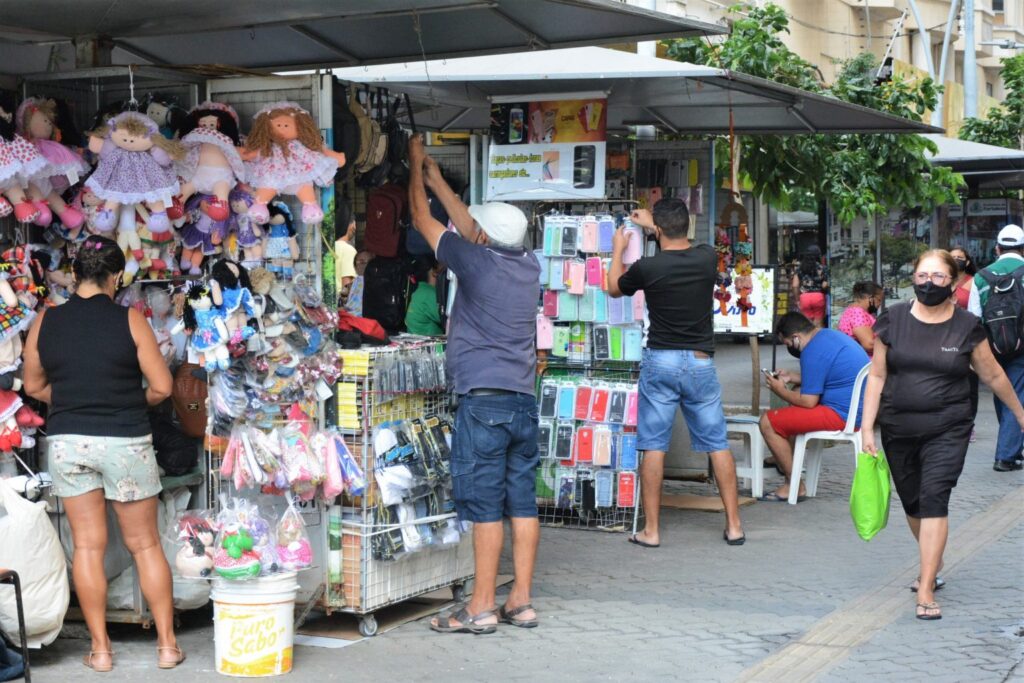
(677, 368)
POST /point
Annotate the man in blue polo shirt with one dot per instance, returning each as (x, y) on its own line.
(492, 364)
(829, 363)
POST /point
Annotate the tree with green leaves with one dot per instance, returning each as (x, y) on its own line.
(859, 175)
(1004, 125)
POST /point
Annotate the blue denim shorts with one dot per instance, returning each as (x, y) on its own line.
(671, 379)
(495, 457)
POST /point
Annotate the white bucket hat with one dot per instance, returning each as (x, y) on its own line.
(503, 223)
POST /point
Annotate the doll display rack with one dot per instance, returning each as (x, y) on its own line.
(367, 582)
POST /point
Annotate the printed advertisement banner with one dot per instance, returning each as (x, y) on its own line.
(547, 150)
(745, 303)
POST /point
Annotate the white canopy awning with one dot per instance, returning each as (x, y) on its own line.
(676, 96)
(985, 167)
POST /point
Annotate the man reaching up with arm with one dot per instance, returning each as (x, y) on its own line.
(677, 369)
(491, 363)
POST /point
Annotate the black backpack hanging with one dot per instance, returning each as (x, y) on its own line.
(386, 292)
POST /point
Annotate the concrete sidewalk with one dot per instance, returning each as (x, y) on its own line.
(804, 599)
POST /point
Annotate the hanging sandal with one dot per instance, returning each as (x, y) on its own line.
(87, 661)
(169, 664)
(923, 609)
(508, 616)
(467, 624)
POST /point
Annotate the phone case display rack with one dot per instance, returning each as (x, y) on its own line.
(393, 407)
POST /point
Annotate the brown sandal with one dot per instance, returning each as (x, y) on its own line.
(167, 664)
(87, 661)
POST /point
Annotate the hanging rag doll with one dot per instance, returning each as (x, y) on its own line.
(19, 161)
(36, 121)
(163, 110)
(206, 326)
(201, 235)
(282, 246)
(212, 165)
(232, 294)
(134, 166)
(15, 316)
(157, 259)
(285, 154)
(248, 235)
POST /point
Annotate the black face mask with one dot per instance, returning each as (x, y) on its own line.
(931, 294)
(793, 350)
(961, 264)
(872, 309)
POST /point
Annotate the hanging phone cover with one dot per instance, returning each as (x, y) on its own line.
(600, 306)
(632, 344)
(566, 488)
(578, 338)
(599, 405)
(588, 235)
(615, 343)
(560, 345)
(550, 306)
(566, 401)
(568, 307)
(545, 332)
(616, 306)
(563, 442)
(586, 312)
(548, 400)
(582, 405)
(616, 406)
(631, 406)
(639, 303)
(544, 263)
(569, 236)
(556, 274)
(605, 231)
(602, 447)
(595, 272)
(584, 445)
(604, 485)
(627, 489)
(627, 452)
(601, 348)
(544, 432)
(587, 499)
(635, 247)
(577, 278)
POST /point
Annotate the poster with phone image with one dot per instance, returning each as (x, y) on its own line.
(551, 149)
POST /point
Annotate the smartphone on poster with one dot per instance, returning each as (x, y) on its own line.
(627, 489)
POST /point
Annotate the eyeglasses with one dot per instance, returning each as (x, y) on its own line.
(936, 278)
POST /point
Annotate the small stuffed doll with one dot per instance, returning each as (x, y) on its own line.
(19, 162)
(248, 235)
(201, 235)
(293, 548)
(36, 121)
(15, 316)
(163, 110)
(156, 258)
(722, 295)
(195, 559)
(134, 166)
(212, 165)
(207, 329)
(284, 153)
(282, 246)
(744, 282)
(236, 559)
(232, 295)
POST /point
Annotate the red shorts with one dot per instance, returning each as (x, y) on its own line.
(794, 420)
(812, 305)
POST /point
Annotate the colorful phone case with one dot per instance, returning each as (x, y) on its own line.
(550, 301)
(586, 313)
(599, 405)
(566, 488)
(631, 407)
(544, 431)
(578, 338)
(548, 400)
(632, 344)
(635, 247)
(545, 333)
(605, 231)
(552, 238)
(563, 441)
(615, 343)
(616, 406)
(600, 306)
(627, 452)
(584, 445)
(604, 488)
(566, 401)
(582, 404)
(560, 345)
(568, 307)
(556, 274)
(616, 308)
(569, 236)
(627, 489)
(595, 272)
(588, 236)
(602, 447)
(601, 348)
(577, 278)
(639, 305)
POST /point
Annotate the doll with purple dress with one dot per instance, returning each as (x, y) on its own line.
(248, 233)
(201, 236)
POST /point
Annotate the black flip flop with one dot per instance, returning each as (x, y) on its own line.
(508, 616)
(926, 606)
(636, 541)
(734, 541)
(939, 585)
(467, 623)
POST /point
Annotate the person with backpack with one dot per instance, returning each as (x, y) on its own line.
(918, 392)
(492, 364)
(997, 297)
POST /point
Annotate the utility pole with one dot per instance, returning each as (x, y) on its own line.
(970, 62)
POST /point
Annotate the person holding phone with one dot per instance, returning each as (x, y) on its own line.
(918, 392)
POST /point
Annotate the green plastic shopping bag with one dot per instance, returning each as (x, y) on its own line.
(869, 495)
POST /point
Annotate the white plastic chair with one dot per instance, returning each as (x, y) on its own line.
(813, 455)
(754, 471)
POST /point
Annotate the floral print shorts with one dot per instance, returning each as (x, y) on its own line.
(124, 467)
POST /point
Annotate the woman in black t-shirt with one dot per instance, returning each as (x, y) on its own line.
(918, 391)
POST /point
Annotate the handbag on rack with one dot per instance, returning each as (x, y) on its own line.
(189, 399)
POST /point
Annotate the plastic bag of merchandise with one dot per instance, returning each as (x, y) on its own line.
(192, 533)
(351, 472)
(235, 557)
(304, 472)
(248, 516)
(294, 550)
(323, 450)
(29, 545)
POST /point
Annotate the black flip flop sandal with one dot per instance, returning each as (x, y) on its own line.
(924, 607)
(508, 616)
(467, 624)
(636, 541)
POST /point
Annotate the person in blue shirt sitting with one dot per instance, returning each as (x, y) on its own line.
(820, 401)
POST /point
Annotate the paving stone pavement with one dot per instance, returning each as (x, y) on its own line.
(694, 609)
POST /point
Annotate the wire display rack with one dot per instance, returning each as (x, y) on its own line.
(394, 387)
(597, 487)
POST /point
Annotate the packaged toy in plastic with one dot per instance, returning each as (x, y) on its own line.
(293, 547)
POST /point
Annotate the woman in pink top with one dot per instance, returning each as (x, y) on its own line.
(859, 317)
(965, 276)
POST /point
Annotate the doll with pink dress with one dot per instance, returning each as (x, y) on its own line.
(19, 162)
(285, 154)
(212, 165)
(36, 122)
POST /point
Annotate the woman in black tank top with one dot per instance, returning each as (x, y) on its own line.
(87, 359)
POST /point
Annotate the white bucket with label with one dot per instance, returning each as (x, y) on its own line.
(253, 625)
